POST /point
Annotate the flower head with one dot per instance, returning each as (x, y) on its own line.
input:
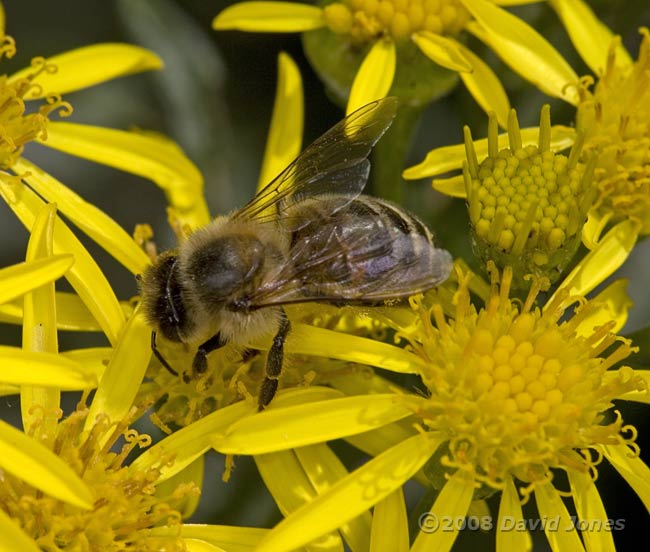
(615, 118)
(527, 205)
(125, 506)
(519, 388)
(366, 20)
(362, 49)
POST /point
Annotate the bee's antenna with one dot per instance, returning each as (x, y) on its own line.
(159, 356)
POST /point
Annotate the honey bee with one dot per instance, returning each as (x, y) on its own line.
(307, 236)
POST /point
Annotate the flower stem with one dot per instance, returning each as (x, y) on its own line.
(390, 155)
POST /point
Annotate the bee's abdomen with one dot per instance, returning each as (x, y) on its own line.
(368, 248)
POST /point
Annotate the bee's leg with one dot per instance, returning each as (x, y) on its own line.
(159, 356)
(200, 362)
(273, 365)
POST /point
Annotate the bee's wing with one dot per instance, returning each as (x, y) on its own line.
(363, 264)
(336, 163)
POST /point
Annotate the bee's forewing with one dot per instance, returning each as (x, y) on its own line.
(335, 164)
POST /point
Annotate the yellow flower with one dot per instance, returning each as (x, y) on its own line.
(384, 28)
(612, 117)
(527, 205)
(615, 118)
(516, 393)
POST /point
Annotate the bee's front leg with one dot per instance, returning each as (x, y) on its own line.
(200, 362)
(273, 365)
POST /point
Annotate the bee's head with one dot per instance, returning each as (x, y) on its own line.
(162, 298)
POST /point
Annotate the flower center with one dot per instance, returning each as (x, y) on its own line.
(126, 507)
(18, 127)
(514, 387)
(527, 204)
(366, 20)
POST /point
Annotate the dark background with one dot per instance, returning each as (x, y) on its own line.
(215, 98)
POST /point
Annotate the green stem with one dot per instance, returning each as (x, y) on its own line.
(390, 155)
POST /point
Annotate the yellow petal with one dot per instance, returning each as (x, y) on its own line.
(390, 524)
(284, 428)
(452, 503)
(631, 468)
(593, 228)
(524, 49)
(18, 279)
(37, 465)
(190, 442)
(590, 509)
(13, 537)
(21, 367)
(40, 335)
(92, 221)
(148, 155)
(93, 360)
(452, 187)
(196, 545)
(285, 479)
(441, 50)
(561, 534)
(310, 340)
(589, 35)
(486, 88)
(378, 440)
(269, 17)
(72, 313)
(374, 77)
(514, 2)
(324, 469)
(232, 538)
(352, 495)
(285, 135)
(88, 66)
(9, 390)
(121, 379)
(613, 305)
(510, 517)
(597, 265)
(449, 158)
(84, 276)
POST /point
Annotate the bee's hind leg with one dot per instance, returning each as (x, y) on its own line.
(200, 362)
(273, 365)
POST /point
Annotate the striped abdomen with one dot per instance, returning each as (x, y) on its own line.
(365, 249)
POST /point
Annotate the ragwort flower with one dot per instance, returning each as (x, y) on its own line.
(615, 119)
(527, 205)
(612, 117)
(362, 48)
(517, 393)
